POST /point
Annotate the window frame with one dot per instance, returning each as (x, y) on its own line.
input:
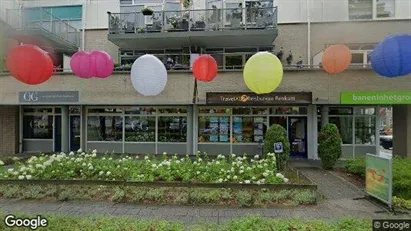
(374, 15)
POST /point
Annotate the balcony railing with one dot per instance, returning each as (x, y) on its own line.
(194, 20)
(47, 22)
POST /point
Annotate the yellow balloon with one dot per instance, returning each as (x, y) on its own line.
(263, 73)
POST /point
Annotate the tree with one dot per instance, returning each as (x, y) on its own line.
(277, 134)
(329, 146)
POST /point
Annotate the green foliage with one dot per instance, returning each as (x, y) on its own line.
(276, 134)
(401, 174)
(239, 224)
(87, 166)
(163, 195)
(356, 166)
(329, 146)
(401, 203)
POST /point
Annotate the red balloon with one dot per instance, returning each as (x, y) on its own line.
(205, 68)
(30, 64)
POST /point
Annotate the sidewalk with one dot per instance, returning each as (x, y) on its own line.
(338, 203)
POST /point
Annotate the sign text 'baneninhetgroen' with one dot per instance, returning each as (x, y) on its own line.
(376, 97)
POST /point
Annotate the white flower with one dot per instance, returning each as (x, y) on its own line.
(78, 151)
(111, 158)
(84, 164)
(21, 177)
(94, 155)
(266, 174)
(178, 161)
(253, 178)
(10, 170)
(94, 151)
(71, 154)
(22, 169)
(28, 177)
(108, 173)
(248, 168)
(90, 167)
(285, 180)
(241, 171)
(198, 172)
(233, 155)
(15, 173)
(279, 175)
(146, 157)
(153, 165)
(247, 181)
(228, 177)
(235, 177)
(220, 180)
(256, 156)
(101, 173)
(217, 162)
(103, 158)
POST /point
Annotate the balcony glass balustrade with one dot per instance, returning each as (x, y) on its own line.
(194, 20)
(19, 21)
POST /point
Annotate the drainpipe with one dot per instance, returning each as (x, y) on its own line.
(83, 33)
(308, 33)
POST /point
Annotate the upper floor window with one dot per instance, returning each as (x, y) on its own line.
(371, 9)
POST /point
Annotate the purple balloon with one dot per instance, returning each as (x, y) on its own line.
(102, 65)
(80, 65)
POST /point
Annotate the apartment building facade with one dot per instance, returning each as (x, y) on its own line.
(187, 117)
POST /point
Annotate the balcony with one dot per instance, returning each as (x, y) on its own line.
(229, 27)
(45, 31)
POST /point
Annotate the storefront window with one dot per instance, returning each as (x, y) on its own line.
(104, 128)
(213, 129)
(248, 129)
(340, 111)
(279, 120)
(289, 110)
(250, 111)
(74, 110)
(140, 128)
(38, 127)
(38, 110)
(140, 110)
(172, 110)
(172, 129)
(365, 130)
(364, 111)
(344, 125)
(215, 110)
(105, 110)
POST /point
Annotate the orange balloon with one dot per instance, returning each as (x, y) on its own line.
(336, 59)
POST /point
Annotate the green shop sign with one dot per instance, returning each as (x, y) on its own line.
(376, 97)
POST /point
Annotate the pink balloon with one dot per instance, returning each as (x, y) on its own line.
(80, 64)
(102, 64)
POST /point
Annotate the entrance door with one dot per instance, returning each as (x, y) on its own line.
(57, 133)
(75, 132)
(297, 134)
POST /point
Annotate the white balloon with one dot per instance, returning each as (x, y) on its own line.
(148, 75)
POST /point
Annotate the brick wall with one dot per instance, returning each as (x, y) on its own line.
(9, 130)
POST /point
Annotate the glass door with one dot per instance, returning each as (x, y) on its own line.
(75, 132)
(297, 134)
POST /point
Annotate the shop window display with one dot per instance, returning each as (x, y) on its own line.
(215, 110)
(365, 130)
(289, 110)
(140, 128)
(250, 111)
(172, 129)
(104, 128)
(248, 129)
(140, 110)
(38, 127)
(172, 110)
(345, 127)
(213, 129)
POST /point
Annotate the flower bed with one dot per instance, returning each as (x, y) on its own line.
(81, 165)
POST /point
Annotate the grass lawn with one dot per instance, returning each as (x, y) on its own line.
(57, 223)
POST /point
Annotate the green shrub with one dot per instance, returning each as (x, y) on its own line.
(401, 174)
(356, 166)
(276, 134)
(329, 146)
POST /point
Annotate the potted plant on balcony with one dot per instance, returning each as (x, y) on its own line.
(115, 24)
(200, 24)
(147, 11)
